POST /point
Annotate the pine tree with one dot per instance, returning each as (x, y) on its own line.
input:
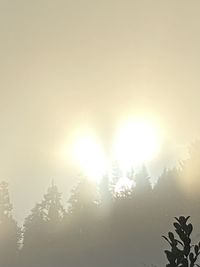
(142, 180)
(51, 204)
(83, 208)
(84, 196)
(41, 229)
(190, 170)
(83, 223)
(105, 191)
(10, 233)
(34, 227)
(49, 212)
(116, 176)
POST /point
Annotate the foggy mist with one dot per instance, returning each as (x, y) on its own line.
(67, 66)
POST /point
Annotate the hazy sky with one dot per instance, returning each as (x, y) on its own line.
(68, 63)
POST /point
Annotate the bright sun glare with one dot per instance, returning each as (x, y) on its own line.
(136, 142)
(89, 154)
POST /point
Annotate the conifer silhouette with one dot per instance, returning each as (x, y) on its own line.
(10, 233)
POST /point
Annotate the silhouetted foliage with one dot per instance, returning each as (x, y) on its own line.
(182, 252)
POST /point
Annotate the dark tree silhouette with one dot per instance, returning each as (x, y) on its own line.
(81, 236)
(103, 228)
(115, 176)
(105, 190)
(190, 171)
(142, 180)
(182, 252)
(10, 233)
(41, 230)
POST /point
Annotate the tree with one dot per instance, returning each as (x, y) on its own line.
(10, 233)
(190, 170)
(105, 191)
(82, 227)
(143, 185)
(116, 176)
(168, 196)
(51, 204)
(182, 252)
(84, 196)
(41, 229)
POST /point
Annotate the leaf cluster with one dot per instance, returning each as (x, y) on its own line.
(182, 252)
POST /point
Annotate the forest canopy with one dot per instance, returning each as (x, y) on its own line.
(99, 225)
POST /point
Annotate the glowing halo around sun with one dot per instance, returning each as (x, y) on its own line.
(137, 142)
(89, 155)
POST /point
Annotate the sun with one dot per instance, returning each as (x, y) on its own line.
(137, 142)
(89, 155)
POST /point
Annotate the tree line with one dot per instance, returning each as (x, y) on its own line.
(98, 226)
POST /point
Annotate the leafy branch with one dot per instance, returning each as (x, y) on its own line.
(182, 252)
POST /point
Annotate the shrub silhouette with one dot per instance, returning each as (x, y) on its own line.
(182, 252)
